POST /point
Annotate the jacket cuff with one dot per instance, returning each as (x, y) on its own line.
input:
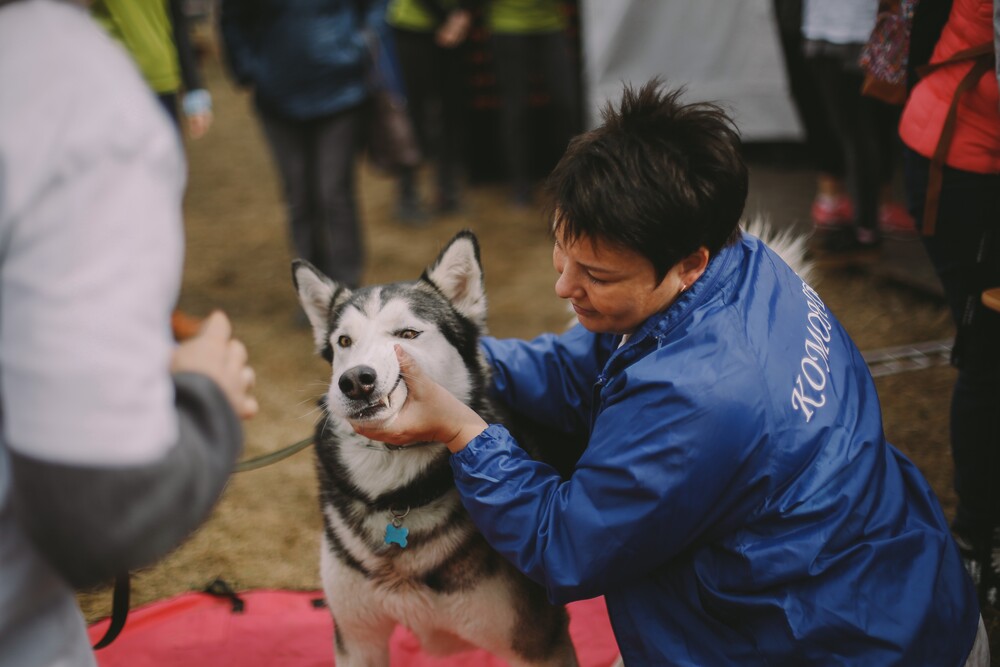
(197, 102)
(486, 444)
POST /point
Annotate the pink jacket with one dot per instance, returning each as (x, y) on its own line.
(975, 145)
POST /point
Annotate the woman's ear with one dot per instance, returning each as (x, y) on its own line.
(692, 266)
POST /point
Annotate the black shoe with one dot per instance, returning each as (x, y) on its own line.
(410, 214)
(521, 198)
(448, 205)
(983, 567)
(849, 239)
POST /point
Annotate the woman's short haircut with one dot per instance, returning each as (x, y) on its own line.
(658, 177)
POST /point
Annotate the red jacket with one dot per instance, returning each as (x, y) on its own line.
(975, 145)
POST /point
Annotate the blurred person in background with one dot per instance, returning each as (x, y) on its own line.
(156, 33)
(115, 442)
(430, 36)
(530, 43)
(831, 203)
(834, 35)
(306, 64)
(952, 180)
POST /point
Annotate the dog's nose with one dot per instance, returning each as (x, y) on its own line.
(358, 382)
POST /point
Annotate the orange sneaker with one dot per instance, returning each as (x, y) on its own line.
(832, 212)
(893, 218)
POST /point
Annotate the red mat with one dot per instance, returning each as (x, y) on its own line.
(285, 629)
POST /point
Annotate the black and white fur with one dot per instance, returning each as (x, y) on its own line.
(447, 585)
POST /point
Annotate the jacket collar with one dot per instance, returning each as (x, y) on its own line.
(720, 270)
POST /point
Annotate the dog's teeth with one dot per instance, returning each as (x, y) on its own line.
(385, 401)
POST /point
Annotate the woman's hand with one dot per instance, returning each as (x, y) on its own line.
(430, 413)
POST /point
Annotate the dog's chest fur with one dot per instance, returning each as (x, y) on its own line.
(364, 485)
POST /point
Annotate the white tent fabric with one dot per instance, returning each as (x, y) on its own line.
(725, 51)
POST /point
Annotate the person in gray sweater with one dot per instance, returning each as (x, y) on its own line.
(115, 441)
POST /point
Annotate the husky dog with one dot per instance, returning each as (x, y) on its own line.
(398, 547)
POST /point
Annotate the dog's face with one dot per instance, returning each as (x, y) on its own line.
(436, 319)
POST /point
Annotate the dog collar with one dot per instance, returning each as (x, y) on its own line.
(418, 494)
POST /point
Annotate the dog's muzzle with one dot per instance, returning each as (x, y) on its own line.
(358, 384)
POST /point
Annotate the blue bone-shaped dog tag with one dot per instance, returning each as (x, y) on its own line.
(396, 534)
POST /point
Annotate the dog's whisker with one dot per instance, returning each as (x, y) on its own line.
(310, 402)
(312, 412)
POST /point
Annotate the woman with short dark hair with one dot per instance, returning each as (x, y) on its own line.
(737, 502)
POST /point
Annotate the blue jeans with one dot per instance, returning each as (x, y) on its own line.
(965, 252)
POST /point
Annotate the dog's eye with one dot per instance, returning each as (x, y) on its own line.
(344, 341)
(407, 334)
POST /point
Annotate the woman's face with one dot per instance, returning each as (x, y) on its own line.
(614, 289)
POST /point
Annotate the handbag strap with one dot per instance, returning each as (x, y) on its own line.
(983, 57)
(980, 50)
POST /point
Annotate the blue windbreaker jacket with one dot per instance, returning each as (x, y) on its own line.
(305, 59)
(737, 503)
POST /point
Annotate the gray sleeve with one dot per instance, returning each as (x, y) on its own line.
(94, 523)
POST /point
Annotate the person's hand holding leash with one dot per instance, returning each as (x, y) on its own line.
(430, 414)
(215, 353)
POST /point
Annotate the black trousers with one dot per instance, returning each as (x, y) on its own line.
(516, 60)
(316, 160)
(437, 98)
(965, 252)
(864, 129)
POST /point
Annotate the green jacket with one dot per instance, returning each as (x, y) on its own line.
(525, 16)
(421, 15)
(145, 30)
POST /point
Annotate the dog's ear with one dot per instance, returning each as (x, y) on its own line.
(458, 274)
(317, 294)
